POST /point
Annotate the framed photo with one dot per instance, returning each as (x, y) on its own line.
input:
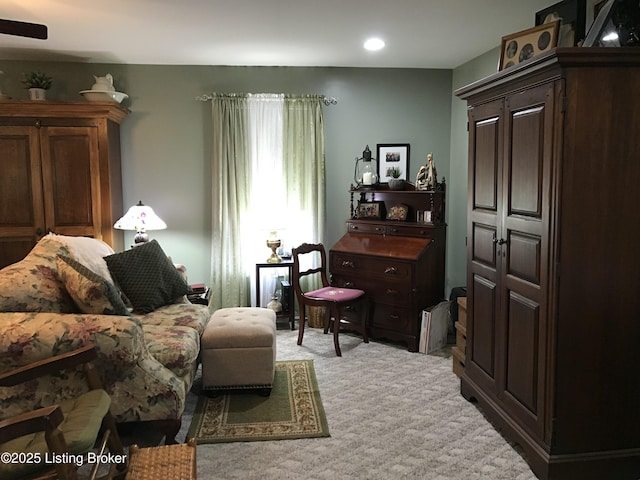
(398, 212)
(391, 156)
(573, 19)
(521, 46)
(371, 210)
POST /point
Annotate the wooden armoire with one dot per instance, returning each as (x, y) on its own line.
(59, 172)
(553, 278)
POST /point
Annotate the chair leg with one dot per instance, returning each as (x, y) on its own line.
(364, 316)
(326, 321)
(336, 330)
(301, 323)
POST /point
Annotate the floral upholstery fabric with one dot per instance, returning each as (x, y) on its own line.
(147, 362)
(33, 284)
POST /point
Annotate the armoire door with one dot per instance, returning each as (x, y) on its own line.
(71, 179)
(22, 219)
(486, 129)
(523, 243)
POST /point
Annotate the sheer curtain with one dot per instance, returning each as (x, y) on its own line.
(267, 174)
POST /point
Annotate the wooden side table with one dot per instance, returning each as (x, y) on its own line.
(288, 264)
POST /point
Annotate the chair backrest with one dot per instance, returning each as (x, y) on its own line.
(298, 274)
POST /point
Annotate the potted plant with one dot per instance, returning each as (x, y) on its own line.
(37, 83)
(395, 182)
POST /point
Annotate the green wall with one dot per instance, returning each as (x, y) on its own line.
(166, 140)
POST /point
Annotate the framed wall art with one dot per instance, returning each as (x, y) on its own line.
(392, 155)
(573, 20)
(521, 46)
(398, 212)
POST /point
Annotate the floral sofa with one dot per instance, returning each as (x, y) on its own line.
(62, 295)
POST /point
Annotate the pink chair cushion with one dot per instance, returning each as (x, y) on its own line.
(335, 294)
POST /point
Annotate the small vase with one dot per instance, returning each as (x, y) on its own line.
(396, 184)
(37, 94)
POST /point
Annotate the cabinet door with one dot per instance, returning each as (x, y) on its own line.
(523, 246)
(21, 208)
(71, 179)
(486, 127)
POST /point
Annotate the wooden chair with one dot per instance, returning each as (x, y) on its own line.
(335, 300)
(64, 433)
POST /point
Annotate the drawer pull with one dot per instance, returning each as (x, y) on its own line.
(394, 317)
(348, 264)
(348, 284)
(391, 270)
(379, 229)
(392, 292)
(394, 230)
(354, 227)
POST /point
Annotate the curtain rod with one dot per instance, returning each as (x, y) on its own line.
(209, 96)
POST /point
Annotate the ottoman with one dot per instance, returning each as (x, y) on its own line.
(238, 350)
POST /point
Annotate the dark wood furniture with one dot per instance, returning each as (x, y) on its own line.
(399, 264)
(48, 423)
(59, 172)
(553, 308)
(337, 302)
(290, 311)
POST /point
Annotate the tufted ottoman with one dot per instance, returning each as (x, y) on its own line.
(239, 349)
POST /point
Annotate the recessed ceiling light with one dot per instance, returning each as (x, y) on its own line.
(374, 44)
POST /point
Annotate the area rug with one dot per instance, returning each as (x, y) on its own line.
(293, 410)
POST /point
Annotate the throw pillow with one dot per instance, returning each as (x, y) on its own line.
(90, 292)
(147, 277)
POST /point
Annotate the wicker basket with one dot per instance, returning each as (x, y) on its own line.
(175, 462)
(315, 316)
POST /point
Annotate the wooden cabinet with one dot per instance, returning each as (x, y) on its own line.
(59, 172)
(552, 285)
(399, 264)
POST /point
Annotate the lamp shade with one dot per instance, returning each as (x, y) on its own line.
(140, 218)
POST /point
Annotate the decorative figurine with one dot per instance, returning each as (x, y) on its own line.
(427, 178)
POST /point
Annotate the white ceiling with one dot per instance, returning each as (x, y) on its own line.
(418, 33)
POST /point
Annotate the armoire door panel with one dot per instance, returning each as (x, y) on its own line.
(525, 179)
(522, 350)
(71, 170)
(484, 327)
(486, 146)
(483, 245)
(524, 259)
(21, 209)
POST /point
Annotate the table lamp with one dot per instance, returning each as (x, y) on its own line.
(140, 218)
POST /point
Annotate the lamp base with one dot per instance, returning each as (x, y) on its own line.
(274, 244)
(141, 237)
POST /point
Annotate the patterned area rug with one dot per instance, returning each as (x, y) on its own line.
(293, 410)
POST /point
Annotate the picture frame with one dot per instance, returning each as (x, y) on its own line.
(392, 155)
(398, 212)
(371, 210)
(573, 21)
(526, 44)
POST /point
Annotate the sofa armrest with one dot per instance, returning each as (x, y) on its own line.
(28, 337)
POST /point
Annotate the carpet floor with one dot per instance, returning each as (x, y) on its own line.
(392, 414)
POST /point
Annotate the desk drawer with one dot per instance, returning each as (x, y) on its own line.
(389, 269)
(394, 294)
(366, 228)
(393, 318)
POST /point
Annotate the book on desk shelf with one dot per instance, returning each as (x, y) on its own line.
(433, 333)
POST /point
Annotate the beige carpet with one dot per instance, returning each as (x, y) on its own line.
(293, 410)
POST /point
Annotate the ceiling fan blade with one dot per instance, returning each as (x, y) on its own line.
(23, 29)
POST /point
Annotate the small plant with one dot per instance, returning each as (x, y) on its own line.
(394, 172)
(37, 80)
